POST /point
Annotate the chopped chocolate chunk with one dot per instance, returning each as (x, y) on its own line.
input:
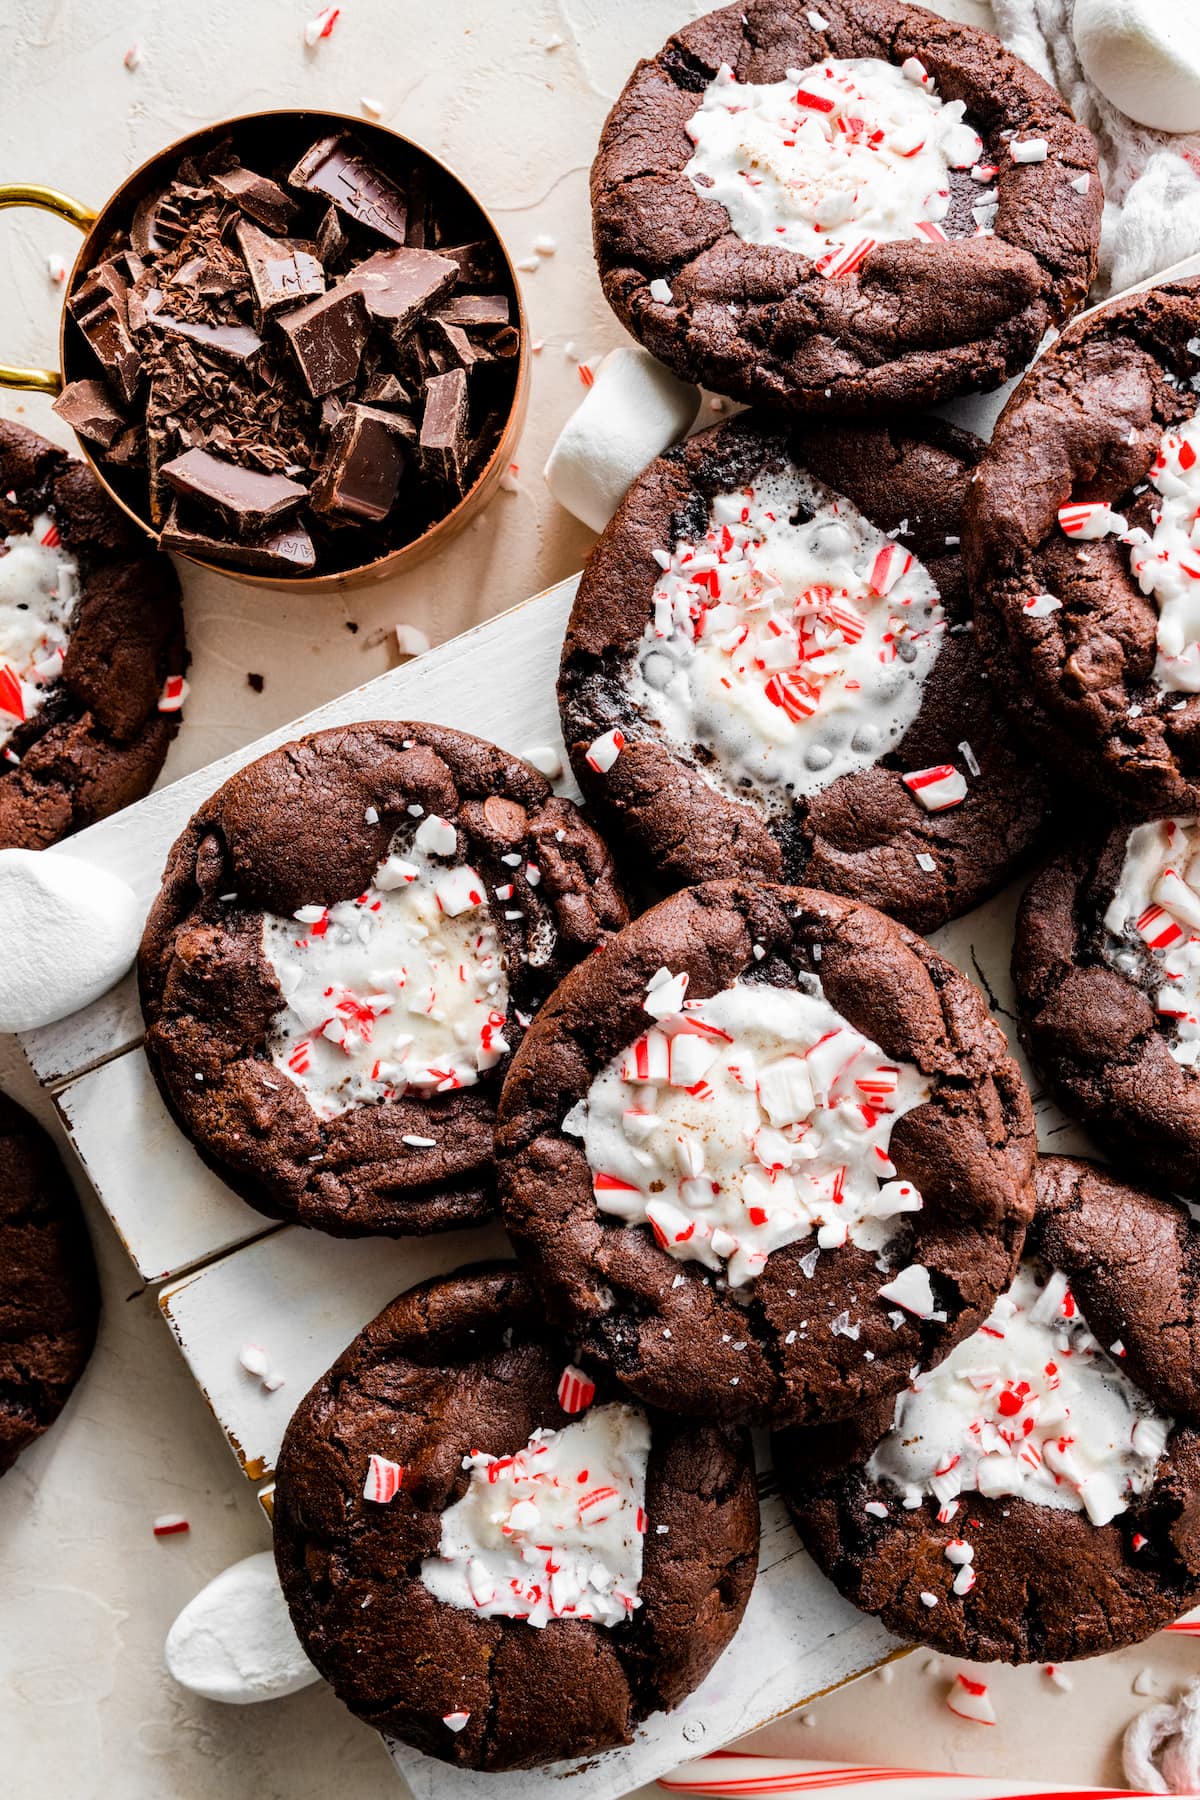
(504, 343)
(281, 270)
(144, 234)
(331, 411)
(287, 550)
(461, 349)
(399, 285)
(444, 429)
(360, 476)
(478, 265)
(334, 168)
(245, 498)
(102, 318)
(475, 311)
(233, 343)
(332, 241)
(88, 408)
(327, 337)
(255, 681)
(386, 390)
(261, 200)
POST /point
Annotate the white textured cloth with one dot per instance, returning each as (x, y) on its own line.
(1151, 179)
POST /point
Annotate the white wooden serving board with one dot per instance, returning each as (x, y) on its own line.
(232, 1277)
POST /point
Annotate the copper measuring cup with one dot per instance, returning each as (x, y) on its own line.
(266, 134)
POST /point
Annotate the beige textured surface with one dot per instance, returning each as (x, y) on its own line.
(88, 1593)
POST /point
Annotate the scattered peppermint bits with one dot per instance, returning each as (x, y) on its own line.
(832, 160)
(545, 759)
(938, 788)
(545, 245)
(1166, 562)
(876, 1509)
(56, 268)
(170, 1525)
(1040, 606)
(1090, 520)
(576, 1391)
(970, 1700)
(322, 26)
(1055, 1673)
(509, 484)
(133, 57)
(171, 700)
(660, 291)
(912, 1289)
(39, 589)
(254, 1360)
(742, 1122)
(372, 107)
(928, 1599)
(1029, 150)
(383, 1479)
(371, 815)
(817, 20)
(455, 1721)
(968, 756)
(925, 862)
(603, 752)
(554, 1531)
(411, 640)
(992, 1418)
(418, 1143)
(1082, 183)
(1157, 906)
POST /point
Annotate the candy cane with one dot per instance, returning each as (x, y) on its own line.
(731, 1772)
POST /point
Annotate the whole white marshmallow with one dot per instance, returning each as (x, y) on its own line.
(1144, 56)
(69, 931)
(634, 409)
(234, 1642)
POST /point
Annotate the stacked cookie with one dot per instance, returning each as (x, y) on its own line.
(762, 1153)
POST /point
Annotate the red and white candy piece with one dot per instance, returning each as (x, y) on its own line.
(436, 836)
(458, 891)
(603, 752)
(1090, 519)
(575, 1390)
(970, 1700)
(454, 1721)
(170, 1525)
(891, 563)
(1040, 606)
(938, 788)
(175, 692)
(911, 1289)
(383, 1479)
(322, 26)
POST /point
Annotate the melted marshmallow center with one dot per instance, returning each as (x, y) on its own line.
(1030, 1405)
(39, 590)
(793, 642)
(835, 158)
(1166, 562)
(1158, 901)
(402, 988)
(746, 1121)
(554, 1532)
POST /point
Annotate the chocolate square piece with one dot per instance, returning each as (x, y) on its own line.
(476, 263)
(360, 476)
(289, 550)
(399, 285)
(444, 429)
(282, 270)
(246, 499)
(386, 390)
(260, 199)
(327, 338)
(101, 316)
(88, 408)
(454, 342)
(475, 312)
(232, 343)
(334, 168)
(331, 239)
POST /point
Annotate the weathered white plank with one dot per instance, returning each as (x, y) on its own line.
(497, 681)
(302, 1296)
(169, 1209)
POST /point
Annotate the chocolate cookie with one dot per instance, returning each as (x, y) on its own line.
(351, 936)
(777, 625)
(91, 648)
(1077, 538)
(838, 209)
(49, 1297)
(489, 1555)
(1036, 1497)
(765, 1152)
(1106, 966)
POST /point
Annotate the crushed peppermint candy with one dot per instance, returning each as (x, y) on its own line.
(1166, 562)
(1090, 520)
(545, 759)
(832, 160)
(1155, 912)
(791, 641)
(401, 989)
(1029, 150)
(660, 291)
(555, 1531)
(170, 1525)
(411, 640)
(603, 752)
(174, 693)
(938, 788)
(912, 1290)
(1029, 1406)
(322, 26)
(39, 591)
(747, 1120)
(455, 1721)
(1040, 606)
(1082, 183)
(576, 1391)
(970, 1700)
(383, 1479)
(254, 1359)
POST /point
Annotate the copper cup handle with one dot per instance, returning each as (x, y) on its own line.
(26, 193)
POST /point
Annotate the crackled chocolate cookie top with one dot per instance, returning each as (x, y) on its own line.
(49, 1299)
(834, 209)
(1107, 972)
(1036, 1496)
(91, 648)
(351, 937)
(776, 627)
(765, 1152)
(1079, 540)
(493, 1556)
